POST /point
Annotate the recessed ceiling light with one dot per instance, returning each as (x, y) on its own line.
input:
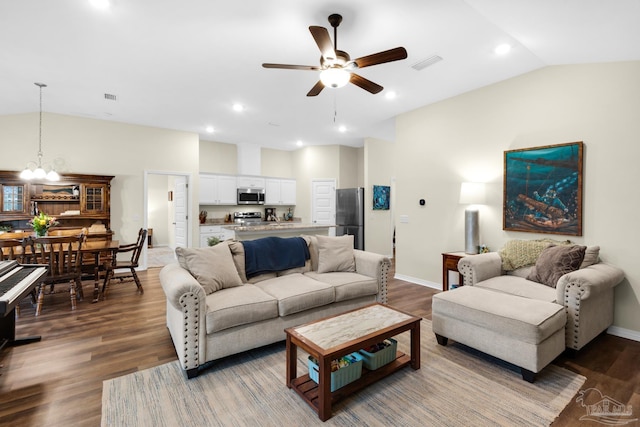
(390, 95)
(238, 107)
(100, 4)
(342, 129)
(209, 129)
(502, 49)
(299, 143)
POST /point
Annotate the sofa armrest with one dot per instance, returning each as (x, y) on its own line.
(587, 295)
(476, 268)
(376, 266)
(177, 282)
(186, 314)
(588, 281)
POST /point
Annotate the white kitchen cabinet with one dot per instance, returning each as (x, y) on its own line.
(218, 190)
(280, 191)
(207, 231)
(250, 181)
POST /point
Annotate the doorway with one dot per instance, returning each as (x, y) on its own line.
(323, 203)
(166, 216)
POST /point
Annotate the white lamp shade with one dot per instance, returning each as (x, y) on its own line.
(472, 193)
(335, 77)
(39, 173)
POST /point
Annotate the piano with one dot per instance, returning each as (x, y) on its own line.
(16, 282)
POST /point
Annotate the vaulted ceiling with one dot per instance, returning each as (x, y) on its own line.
(183, 64)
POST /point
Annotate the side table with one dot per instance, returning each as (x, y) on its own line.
(450, 263)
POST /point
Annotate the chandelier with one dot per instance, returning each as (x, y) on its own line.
(39, 172)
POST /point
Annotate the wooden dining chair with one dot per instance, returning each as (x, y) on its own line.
(14, 249)
(63, 257)
(131, 264)
(89, 266)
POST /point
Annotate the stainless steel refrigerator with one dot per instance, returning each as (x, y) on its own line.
(350, 214)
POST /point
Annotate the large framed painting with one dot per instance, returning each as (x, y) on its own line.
(543, 189)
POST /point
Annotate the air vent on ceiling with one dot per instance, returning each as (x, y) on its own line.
(426, 62)
(110, 97)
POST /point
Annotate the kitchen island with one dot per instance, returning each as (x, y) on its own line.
(280, 229)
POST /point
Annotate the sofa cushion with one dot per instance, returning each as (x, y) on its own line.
(335, 254)
(296, 293)
(519, 286)
(212, 266)
(238, 306)
(556, 261)
(347, 285)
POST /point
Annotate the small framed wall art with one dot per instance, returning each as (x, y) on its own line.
(543, 189)
(381, 197)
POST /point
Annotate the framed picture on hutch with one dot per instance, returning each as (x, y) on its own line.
(543, 189)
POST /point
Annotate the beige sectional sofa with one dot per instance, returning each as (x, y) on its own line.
(214, 310)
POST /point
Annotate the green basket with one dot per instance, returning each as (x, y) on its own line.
(342, 376)
(373, 361)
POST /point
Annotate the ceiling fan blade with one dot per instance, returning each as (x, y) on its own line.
(321, 36)
(292, 67)
(390, 55)
(365, 84)
(316, 89)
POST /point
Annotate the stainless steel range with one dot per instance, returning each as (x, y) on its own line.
(247, 218)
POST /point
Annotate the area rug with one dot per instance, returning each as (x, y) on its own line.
(455, 386)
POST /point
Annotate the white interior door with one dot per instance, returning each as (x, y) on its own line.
(180, 200)
(323, 202)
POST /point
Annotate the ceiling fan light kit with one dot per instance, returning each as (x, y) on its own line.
(335, 77)
(336, 67)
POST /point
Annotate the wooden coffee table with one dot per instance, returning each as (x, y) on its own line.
(336, 336)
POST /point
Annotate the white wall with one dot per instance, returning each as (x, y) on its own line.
(379, 170)
(464, 139)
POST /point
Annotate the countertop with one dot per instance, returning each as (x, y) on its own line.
(284, 225)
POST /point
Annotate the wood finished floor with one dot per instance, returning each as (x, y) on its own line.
(58, 381)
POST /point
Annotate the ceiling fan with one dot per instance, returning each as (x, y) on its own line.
(336, 67)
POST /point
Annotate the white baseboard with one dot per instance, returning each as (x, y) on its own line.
(418, 281)
(624, 333)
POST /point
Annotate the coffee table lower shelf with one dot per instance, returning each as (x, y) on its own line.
(308, 389)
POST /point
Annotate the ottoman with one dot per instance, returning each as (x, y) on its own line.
(526, 332)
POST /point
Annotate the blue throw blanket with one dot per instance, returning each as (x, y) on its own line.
(274, 254)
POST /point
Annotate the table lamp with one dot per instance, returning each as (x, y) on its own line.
(472, 194)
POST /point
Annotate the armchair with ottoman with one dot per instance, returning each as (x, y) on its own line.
(528, 302)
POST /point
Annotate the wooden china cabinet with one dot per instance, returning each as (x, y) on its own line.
(77, 200)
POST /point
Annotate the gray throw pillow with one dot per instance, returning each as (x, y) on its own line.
(590, 256)
(212, 267)
(556, 261)
(335, 254)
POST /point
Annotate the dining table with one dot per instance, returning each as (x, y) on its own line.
(99, 252)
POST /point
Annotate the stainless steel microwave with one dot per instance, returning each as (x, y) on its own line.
(251, 196)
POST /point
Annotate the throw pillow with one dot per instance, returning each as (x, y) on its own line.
(556, 261)
(335, 254)
(520, 253)
(590, 256)
(212, 266)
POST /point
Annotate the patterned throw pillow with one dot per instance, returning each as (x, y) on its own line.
(556, 261)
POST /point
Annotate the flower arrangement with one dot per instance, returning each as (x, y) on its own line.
(42, 222)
